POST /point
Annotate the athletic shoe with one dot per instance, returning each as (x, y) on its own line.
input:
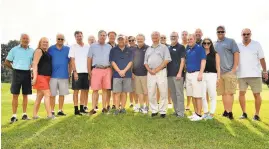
(154, 114)
(96, 108)
(205, 115)
(13, 120)
(208, 117)
(53, 113)
(196, 118)
(108, 108)
(117, 112)
(131, 105)
(104, 110)
(92, 112)
(77, 113)
(36, 117)
(61, 113)
(123, 111)
(256, 118)
(113, 107)
(192, 116)
(51, 117)
(162, 115)
(243, 116)
(85, 109)
(225, 114)
(230, 115)
(136, 109)
(25, 117)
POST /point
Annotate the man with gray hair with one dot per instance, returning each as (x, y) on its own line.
(19, 59)
(91, 39)
(156, 58)
(59, 82)
(175, 74)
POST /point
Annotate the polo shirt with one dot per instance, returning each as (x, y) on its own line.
(199, 42)
(177, 52)
(21, 58)
(249, 61)
(80, 54)
(226, 48)
(60, 61)
(155, 56)
(112, 44)
(139, 68)
(194, 56)
(99, 54)
(122, 59)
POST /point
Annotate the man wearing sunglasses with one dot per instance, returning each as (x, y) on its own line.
(229, 58)
(59, 82)
(249, 72)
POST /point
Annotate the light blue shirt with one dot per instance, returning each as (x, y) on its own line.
(99, 54)
(21, 58)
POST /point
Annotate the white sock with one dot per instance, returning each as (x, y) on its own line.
(14, 115)
(59, 111)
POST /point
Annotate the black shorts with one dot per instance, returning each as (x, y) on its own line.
(21, 79)
(82, 83)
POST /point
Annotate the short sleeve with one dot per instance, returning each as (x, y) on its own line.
(90, 52)
(71, 52)
(260, 51)
(146, 56)
(132, 55)
(50, 51)
(68, 50)
(10, 55)
(182, 52)
(111, 55)
(234, 47)
(202, 53)
(167, 55)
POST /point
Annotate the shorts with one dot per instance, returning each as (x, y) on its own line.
(82, 83)
(59, 86)
(194, 87)
(140, 86)
(227, 84)
(101, 78)
(255, 84)
(42, 82)
(122, 85)
(21, 79)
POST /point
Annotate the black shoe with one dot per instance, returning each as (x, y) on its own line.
(83, 111)
(104, 110)
(53, 113)
(96, 107)
(61, 113)
(13, 120)
(163, 115)
(154, 114)
(108, 108)
(113, 107)
(131, 105)
(230, 115)
(25, 117)
(225, 114)
(256, 118)
(77, 113)
(243, 116)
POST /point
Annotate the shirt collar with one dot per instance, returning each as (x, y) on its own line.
(23, 48)
(174, 45)
(221, 40)
(192, 47)
(157, 45)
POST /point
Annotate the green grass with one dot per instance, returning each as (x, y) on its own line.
(134, 130)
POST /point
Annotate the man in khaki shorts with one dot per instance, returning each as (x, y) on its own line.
(140, 74)
(249, 72)
(229, 58)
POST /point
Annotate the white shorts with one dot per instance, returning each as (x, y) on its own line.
(194, 87)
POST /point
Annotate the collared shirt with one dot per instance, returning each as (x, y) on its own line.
(194, 56)
(226, 48)
(122, 59)
(80, 53)
(112, 44)
(99, 54)
(177, 52)
(155, 56)
(199, 42)
(21, 58)
(139, 68)
(249, 61)
(60, 61)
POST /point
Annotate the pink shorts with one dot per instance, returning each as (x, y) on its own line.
(101, 78)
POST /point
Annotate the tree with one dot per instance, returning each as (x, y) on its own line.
(5, 48)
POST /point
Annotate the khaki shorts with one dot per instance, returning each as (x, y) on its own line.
(194, 87)
(227, 84)
(255, 84)
(140, 86)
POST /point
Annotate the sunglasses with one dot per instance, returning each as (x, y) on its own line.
(131, 40)
(163, 37)
(220, 32)
(61, 39)
(246, 34)
(206, 43)
(173, 36)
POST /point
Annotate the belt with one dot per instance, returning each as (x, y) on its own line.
(101, 67)
(193, 71)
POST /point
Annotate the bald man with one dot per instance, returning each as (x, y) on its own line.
(199, 35)
(19, 59)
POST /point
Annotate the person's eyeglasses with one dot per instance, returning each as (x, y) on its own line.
(163, 37)
(206, 43)
(220, 32)
(61, 39)
(173, 36)
(246, 34)
(131, 40)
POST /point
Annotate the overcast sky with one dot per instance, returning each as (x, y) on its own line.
(46, 18)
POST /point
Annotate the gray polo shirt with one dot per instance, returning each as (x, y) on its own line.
(155, 56)
(99, 54)
(226, 48)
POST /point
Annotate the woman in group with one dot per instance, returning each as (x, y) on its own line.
(211, 77)
(42, 70)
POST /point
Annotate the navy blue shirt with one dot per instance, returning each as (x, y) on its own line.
(60, 62)
(139, 68)
(177, 52)
(194, 56)
(122, 59)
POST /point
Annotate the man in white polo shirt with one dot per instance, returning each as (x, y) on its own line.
(79, 55)
(249, 71)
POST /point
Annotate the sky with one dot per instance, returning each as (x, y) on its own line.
(46, 18)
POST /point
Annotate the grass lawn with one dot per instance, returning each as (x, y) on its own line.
(134, 130)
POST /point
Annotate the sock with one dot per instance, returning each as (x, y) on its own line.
(59, 110)
(76, 108)
(14, 115)
(81, 107)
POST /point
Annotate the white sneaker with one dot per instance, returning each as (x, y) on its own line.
(192, 116)
(136, 109)
(170, 106)
(196, 118)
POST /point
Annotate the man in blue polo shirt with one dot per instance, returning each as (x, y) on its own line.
(195, 62)
(175, 74)
(59, 81)
(19, 59)
(121, 59)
